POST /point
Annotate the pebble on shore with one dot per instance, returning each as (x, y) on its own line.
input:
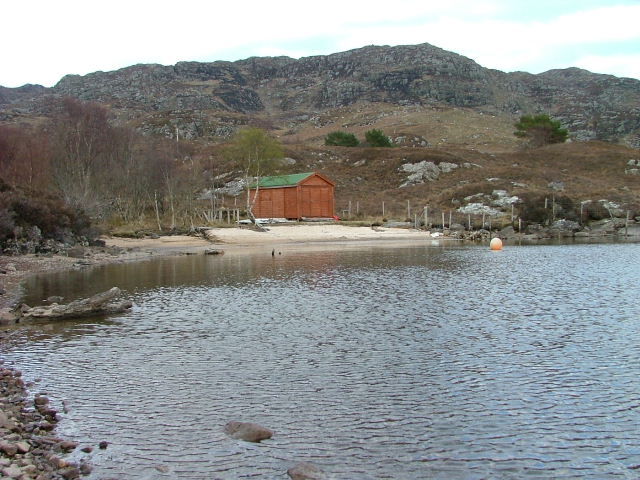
(27, 447)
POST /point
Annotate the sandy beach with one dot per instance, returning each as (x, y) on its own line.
(274, 234)
(312, 233)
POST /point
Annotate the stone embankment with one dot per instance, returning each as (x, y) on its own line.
(29, 448)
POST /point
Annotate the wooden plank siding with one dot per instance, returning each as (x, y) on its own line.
(312, 196)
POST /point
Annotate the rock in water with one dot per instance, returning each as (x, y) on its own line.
(102, 303)
(306, 471)
(247, 431)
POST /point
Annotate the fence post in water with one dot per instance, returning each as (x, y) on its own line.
(442, 220)
(483, 220)
(409, 210)
(449, 219)
(349, 209)
(382, 209)
(512, 214)
(415, 221)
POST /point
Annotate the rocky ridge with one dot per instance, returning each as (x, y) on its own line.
(210, 100)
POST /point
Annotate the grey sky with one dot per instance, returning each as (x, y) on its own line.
(44, 40)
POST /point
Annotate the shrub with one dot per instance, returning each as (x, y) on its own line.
(6, 223)
(341, 139)
(23, 212)
(540, 130)
(376, 138)
(532, 208)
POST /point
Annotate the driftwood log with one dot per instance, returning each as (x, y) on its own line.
(99, 304)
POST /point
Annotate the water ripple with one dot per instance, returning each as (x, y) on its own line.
(407, 363)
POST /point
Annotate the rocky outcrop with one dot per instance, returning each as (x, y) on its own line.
(633, 167)
(591, 106)
(425, 171)
(100, 304)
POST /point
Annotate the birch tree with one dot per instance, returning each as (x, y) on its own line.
(258, 153)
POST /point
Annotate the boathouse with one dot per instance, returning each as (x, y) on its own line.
(296, 196)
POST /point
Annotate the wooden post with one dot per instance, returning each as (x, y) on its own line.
(519, 230)
(426, 217)
(349, 209)
(383, 209)
(155, 199)
(469, 222)
(442, 220)
(449, 219)
(546, 202)
(626, 225)
(415, 221)
(553, 208)
(483, 220)
(357, 207)
(581, 212)
(512, 214)
(408, 209)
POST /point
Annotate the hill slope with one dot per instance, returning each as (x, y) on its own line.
(451, 119)
(295, 97)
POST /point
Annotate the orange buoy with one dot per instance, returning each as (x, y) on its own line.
(496, 244)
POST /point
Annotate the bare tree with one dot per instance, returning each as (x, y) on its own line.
(81, 135)
(258, 153)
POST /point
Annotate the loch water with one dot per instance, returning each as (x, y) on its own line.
(385, 362)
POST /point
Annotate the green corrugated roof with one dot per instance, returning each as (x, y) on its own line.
(282, 180)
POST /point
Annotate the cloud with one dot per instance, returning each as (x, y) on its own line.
(623, 65)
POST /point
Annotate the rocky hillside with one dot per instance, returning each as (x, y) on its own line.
(595, 180)
(412, 90)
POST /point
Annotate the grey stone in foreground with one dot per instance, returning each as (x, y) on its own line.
(306, 471)
(247, 431)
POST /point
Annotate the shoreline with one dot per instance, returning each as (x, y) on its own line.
(29, 446)
(14, 270)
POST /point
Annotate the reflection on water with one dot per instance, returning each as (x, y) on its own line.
(448, 363)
